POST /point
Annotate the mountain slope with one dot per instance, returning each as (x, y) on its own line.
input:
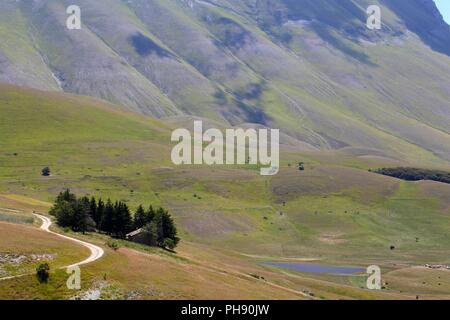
(20, 62)
(310, 68)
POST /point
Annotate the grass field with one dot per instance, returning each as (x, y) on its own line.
(195, 272)
(230, 219)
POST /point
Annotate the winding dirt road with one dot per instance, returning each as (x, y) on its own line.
(96, 252)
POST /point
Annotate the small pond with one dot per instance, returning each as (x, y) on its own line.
(315, 268)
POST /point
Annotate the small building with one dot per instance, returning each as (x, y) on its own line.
(136, 236)
(141, 236)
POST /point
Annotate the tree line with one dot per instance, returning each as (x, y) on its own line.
(415, 174)
(114, 218)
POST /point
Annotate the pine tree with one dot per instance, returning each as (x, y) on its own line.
(64, 209)
(115, 228)
(123, 221)
(93, 209)
(64, 196)
(127, 220)
(170, 231)
(166, 230)
(150, 215)
(64, 213)
(83, 216)
(139, 218)
(99, 212)
(150, 234)
(107, 218)
(45, 172)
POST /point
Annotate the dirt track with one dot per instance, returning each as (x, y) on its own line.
(96, 252)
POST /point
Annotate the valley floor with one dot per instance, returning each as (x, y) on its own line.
(231, 220)
(196, 271)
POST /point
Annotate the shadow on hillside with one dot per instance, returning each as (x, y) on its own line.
(144, 46)
(325, 34)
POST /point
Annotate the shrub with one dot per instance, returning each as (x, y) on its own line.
(42, 272)
(113, 245)
(169, 244)
(46, 171)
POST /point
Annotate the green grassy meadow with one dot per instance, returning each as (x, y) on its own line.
(230, 219)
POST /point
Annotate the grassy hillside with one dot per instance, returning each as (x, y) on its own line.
(99, 149)
(311, 68)
(334, 212)
(346, 100)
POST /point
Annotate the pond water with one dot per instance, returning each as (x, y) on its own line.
(315, 268)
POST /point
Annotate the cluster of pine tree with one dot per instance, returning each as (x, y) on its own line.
(416, 174)
(157, 227)
(89, 215)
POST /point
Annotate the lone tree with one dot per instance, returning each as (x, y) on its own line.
(46, 171)
(301, 166)
(42, 272)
